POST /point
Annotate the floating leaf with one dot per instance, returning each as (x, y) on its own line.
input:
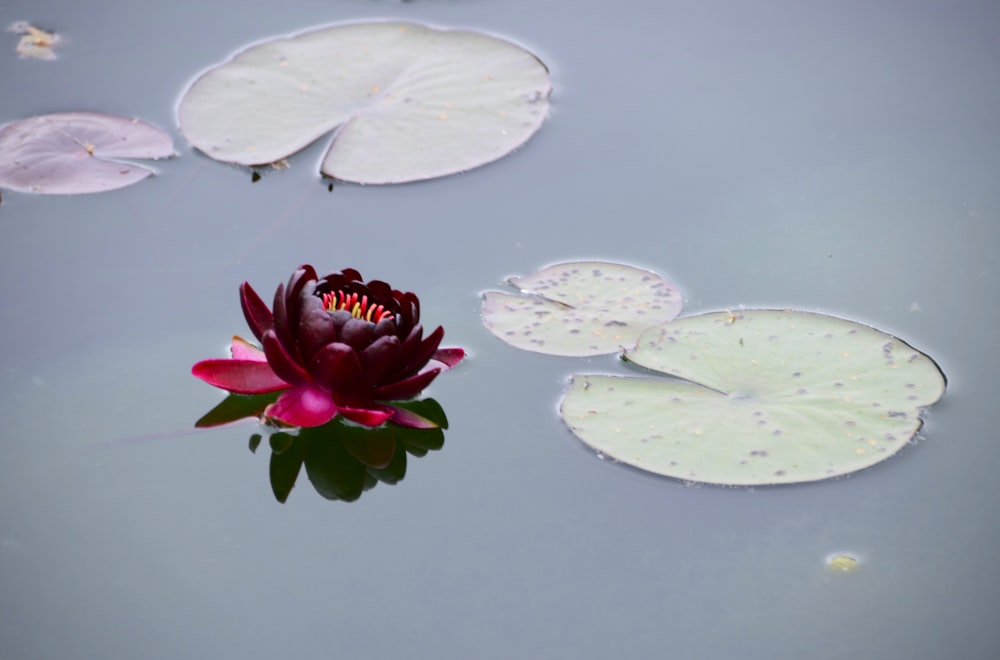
(769, 397)
(77, 152)
(842, 563)
(408, 101)
(580, 308)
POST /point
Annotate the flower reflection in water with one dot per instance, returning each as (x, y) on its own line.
(342, 459)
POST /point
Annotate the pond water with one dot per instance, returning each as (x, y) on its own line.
(835, 157)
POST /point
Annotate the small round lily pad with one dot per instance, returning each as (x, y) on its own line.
(767, 397)
(77, 152)
(580, 308)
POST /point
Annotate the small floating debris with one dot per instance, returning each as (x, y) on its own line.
(35, 43)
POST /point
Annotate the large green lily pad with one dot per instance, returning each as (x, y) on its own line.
(767, 397)
(406, 101)
(580, 308)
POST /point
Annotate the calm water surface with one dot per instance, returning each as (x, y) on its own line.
(839, 157)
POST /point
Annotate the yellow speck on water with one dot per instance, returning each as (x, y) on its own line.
(842, 564)
(442, 116)
(376, 89)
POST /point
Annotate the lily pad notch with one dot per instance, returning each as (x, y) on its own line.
(757, 397)
(405, 101)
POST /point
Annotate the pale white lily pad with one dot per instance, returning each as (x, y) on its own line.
(406, 101)
(580, 308)
(768, 397)
(77, 152)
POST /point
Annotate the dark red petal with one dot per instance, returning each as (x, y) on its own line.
(365, 416)
(302, 275)
(301, 284)
(406, 388)
(283, 364)
(351, 274)
(240, 376)
(316, 330)
(280, 312)
(380, 358)
(412, 341)
(409, 311)
(381, 290)
(419, 356)
(337, 367)
(357, 333)
(304, 405)
(338, 280)
(449, 357)
(385, 327)
(257, 314)
(281, 327)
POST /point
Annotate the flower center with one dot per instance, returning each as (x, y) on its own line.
(358, 307)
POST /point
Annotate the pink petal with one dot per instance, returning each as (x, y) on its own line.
(244, 350)
(365, 417)
(303, 405)
(449, 357)
(240, 376)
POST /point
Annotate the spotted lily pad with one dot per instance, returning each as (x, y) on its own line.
(405, 101)
(580, 308)
(77, 152)
(767, 397)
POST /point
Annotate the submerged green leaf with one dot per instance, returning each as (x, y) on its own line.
(406, 101)
(580, 308)
(768, 397)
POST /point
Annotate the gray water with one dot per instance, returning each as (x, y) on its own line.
(832, 156)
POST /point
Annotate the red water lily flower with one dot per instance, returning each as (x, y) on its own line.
(333, 345)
